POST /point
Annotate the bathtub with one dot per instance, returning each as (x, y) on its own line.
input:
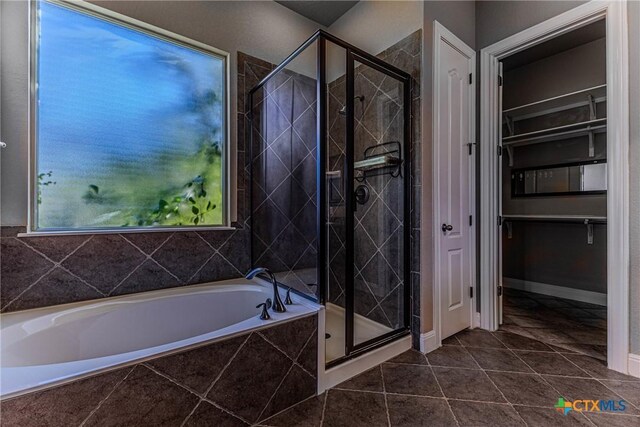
(53, 345)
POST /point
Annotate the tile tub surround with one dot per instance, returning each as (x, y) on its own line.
(234, 382)
(50, 270)
(471, 380)
(377, 296)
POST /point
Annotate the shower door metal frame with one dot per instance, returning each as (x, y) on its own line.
(352, 54)
(352, 349)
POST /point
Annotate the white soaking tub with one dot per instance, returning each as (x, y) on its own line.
(51, 345)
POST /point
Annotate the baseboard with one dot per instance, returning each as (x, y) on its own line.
(634, 365)
(556, 291)
(428, 342)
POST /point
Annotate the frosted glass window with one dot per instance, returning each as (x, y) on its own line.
(129, 126)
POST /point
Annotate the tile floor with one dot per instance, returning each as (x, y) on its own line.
(512, 377)
(571, 325)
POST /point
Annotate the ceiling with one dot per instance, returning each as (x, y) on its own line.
(575, 38)
(323, 12)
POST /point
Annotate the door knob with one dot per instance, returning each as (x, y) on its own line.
(446, 227)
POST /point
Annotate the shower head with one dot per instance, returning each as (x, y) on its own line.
(343, 110)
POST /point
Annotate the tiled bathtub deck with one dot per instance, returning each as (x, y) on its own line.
(477, 378)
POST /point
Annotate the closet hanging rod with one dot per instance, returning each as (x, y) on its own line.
(576, 219)
(576, 127)
(556, 136)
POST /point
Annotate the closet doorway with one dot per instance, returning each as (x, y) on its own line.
(553, 170)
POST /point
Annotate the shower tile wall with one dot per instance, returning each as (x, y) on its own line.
(220, 384)
(379, 228)
(50, 270)
(284, 179)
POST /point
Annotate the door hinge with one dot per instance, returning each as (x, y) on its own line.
(499, 150)
(470, 220)
(470, 291)
(470, 146)
(499, 80)
(499, 291)
(470, 78)
(499, 220)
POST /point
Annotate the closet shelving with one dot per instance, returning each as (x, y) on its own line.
(585, 97)
(590, 97)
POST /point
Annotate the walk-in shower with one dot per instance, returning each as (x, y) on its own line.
(329, 160)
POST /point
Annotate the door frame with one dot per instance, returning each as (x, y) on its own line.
(617, 62)
(441, 33)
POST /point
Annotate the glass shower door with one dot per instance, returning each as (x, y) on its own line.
(377, 120)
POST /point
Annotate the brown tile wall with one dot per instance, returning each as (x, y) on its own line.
(236, 382)
(44, 271)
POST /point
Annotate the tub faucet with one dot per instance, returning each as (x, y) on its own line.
(278, 306)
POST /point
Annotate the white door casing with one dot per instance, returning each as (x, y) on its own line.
(454, 169)
(617, 53)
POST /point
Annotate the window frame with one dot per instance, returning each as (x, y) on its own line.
(150, 30)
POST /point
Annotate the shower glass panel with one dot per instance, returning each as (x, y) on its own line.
(330, 189)
(378, 233)
(284, 171)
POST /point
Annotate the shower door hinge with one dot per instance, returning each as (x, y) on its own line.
(499, 291)
(499, 150)
(470, 78)
(470, 291)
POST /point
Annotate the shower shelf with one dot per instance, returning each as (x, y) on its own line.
(379, 160)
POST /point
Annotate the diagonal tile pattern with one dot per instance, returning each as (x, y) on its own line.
(470, 382)
(284, 212)
(378, 224)
(574, 326)
(235, 382)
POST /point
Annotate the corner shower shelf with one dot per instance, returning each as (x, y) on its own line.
(380, 159)
(377, 162)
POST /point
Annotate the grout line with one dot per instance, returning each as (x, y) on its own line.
(324, 407)
(222, 371)
(444, 396)
(191, 413)
(190, 390)
(275, 392)
(498, 388)
(107, 396)
(384, 393)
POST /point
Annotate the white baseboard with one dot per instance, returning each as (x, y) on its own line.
(634, 365)
(556, 291)
(428, 342)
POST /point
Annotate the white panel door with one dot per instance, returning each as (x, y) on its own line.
(454, 163)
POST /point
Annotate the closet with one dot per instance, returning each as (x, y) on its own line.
(554, 189)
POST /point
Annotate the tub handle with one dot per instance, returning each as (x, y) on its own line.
(265, 307)
(288, 300)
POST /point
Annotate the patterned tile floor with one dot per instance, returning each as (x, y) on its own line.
(571, 325)
(512, 377)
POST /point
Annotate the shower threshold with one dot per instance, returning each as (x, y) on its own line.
(364, 330)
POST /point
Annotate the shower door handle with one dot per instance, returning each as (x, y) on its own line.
(446, 227)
